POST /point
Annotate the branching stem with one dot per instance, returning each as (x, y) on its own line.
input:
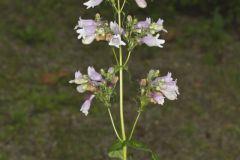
(134, 125)
(113, 124)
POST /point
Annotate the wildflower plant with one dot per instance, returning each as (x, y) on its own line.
(101, 85)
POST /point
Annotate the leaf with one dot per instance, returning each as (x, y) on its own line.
(116, 150)
(155, 156)
(140, 146)
(116, 154)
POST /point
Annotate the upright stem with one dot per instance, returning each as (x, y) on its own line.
(121, 86)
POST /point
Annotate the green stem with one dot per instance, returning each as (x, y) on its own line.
(115, 56)
(128, 57)
(124, 2)
(134, 125)
(113, 124)
(121, 86)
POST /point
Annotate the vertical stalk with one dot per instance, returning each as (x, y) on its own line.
(121, 86)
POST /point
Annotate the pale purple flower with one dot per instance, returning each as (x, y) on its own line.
(92, 3)
(158, 26)
(158, 98)
(86, 29)
(86, 105)
(79, 79)
(115, 28)
(143, 24)
(85, 23)
(88, 39)
(93, 75)
(141, 3)
(167, 86)
(152, 41)
(116, 41)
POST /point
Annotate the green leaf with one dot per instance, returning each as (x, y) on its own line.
(155, 156)
(116, 154)
(116, 150)
(140, 146)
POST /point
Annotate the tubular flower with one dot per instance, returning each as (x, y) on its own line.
(116, 41)
(157, 98)
(79, 78)
(86, 30)
(141, 3)
(100, 85)
(86, 105)
(155, 89)
(143, 24)
(115, 28)
(92, 3)
(158, 26)
(93, 75)
(152, 41)
(167, 86)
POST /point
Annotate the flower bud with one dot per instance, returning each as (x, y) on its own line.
(143, 82)
(141, 3)
(97, 17)
(129, 18)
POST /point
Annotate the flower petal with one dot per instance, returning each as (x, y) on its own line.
(93, 75)
(86, 105)
(141, 3)
(92, 3)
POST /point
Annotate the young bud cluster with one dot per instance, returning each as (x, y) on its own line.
(155, 89)
(100, 85)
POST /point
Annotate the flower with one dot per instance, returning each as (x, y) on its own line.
(167, 86)
(85, 23)
(157, 98)
(158, 26)
(116, 41)
(79, 78)
(92, 3)
(93, 75)
(143, 24)
(141, 3)
(86, 105)
(152, 41)
(86, 29)
(115, 28)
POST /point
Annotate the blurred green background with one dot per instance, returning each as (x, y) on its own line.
(39, 110)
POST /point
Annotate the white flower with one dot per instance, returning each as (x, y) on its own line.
(152, 41)
(92, 3)
(141, 3)
(116, 41)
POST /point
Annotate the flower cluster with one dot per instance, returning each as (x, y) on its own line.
(100, 85)
(155, 89)
(146, 32)
(90, 30)
(94, 3)
(134, 32)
